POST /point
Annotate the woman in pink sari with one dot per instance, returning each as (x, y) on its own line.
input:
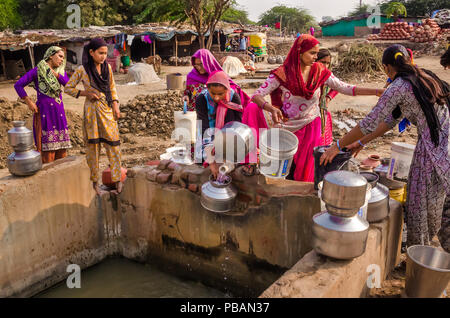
(295, 101)
(205, 64)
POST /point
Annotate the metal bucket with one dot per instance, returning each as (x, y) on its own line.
(277, 149)
(427, 272)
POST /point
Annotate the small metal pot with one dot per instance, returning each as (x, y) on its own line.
(344, 193)
(217, 197)
(20, 137)
(378, 207)
(234, 142)
(338, 237)
(24, 163)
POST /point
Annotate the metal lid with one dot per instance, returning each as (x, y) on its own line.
(345, 179)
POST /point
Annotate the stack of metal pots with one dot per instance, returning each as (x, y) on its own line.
(378, 207)
(340, 232)
(24, 161)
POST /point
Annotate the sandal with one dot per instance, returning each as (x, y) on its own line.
(249, 170)
(119, 187)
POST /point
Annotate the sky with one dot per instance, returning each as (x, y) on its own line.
(318, 8)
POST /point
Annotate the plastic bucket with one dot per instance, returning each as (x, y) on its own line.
(277, 149)
(401, 157)
(336, 164)
(185, 127)
(398, 195)
(362, 212)
(427, 272)
(125, 60)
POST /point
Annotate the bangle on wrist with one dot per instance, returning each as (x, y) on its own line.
(363, 145)
(262, 107)
(339, 147)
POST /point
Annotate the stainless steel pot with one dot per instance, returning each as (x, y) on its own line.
(233, 143)
(378, 207)
(20, 137)
(338, 237)
(344, 193)
(218, 198)
(24, 163)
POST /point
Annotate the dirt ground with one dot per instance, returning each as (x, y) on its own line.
(136, 150)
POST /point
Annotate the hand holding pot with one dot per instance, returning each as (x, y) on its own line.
(355, 148)
(329, 155)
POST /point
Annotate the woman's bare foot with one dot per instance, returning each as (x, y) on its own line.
(119, 187)
(96, 188)
(249, 170)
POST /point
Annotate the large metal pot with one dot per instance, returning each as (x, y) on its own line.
(338, 237)
(233, 143)
(20, 137)
(344, 193)
(217, 197)
(24, 163)
(378, 207)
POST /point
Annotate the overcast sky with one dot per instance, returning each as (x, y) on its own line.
(318, 8)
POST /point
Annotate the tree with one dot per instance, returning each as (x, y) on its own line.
(294, 19)
(9, 16)
(359, 10)
(395, 9)
(417, 8)
(159, 10)
(204, 15)
(236, 15)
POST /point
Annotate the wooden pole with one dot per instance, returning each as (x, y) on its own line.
(154, 47)
(218, 41)
(176, 50)
(30, 50)
(3, 63)
(281, 25)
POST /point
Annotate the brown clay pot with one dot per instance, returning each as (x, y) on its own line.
(365, 168)
(372, 161)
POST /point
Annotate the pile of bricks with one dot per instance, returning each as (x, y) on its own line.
(252, 190)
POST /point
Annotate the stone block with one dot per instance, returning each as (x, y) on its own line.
(152, 175)
(173, 166)
(163, 164)
(163, 177)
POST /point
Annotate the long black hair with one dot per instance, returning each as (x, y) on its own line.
(427, 88)
(323, 53)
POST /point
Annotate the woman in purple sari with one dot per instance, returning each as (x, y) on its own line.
(204, 64)
(51, 133)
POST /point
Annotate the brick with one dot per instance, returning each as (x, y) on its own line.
(163, 164)
(152, 175)
(175, 178)
(193, 187)
(173, 166)
(182, 183)
(163, 177)
(153, 163)
(244, 198)
(131, 173)
(258, 199)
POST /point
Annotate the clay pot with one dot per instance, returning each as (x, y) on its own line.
(372, 161)
(106, 177)
(365, 168)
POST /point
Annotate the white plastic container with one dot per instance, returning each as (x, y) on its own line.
(277, 150)
(401, 157)
(185, 126)
(362, 212)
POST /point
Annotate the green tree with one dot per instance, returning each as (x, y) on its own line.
(9, 16)
(158, 10)
(359, 10)
(418, 8)
(293, 19)
(396, 9)
(236, 15)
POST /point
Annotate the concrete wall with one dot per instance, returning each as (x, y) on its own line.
(246, 250)
(47, 221)
(317, 276)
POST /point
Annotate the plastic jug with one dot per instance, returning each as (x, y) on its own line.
(185, 126)
(401, 157)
